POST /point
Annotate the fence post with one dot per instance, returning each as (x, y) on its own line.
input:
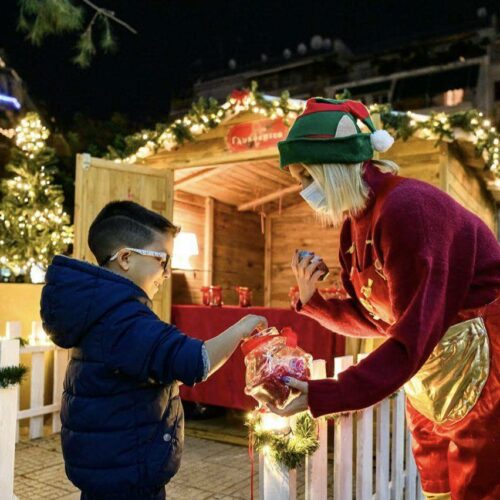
(342, 461)
(13, 331)
(398, 444)
(364, 451)
(411, 471)
(9, 356)
(37, 384)
(316, 466)
(61, 357)
(276, 482)
(382, 447)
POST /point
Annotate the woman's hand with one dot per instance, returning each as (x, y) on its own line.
(307, 275)
(251, 322)
(299, 404)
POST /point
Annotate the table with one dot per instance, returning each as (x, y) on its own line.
(225, 387)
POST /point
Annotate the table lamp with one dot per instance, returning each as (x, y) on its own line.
(185, 246)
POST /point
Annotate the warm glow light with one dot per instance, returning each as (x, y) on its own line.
(273, 422)
(185, 246)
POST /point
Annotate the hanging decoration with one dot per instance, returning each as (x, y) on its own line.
(288, 449)
(207, 114)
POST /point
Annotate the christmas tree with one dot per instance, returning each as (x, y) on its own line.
(33, 224)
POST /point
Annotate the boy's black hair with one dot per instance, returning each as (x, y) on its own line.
(125, 224)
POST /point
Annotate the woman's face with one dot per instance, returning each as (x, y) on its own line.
(299, 173)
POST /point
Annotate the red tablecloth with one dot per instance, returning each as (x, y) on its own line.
(225, 387)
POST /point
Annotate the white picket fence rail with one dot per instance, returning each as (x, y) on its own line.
(372, 455)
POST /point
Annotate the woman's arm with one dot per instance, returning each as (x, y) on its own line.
(346, 317)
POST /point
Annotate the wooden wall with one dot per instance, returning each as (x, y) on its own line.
(238, 252)
(465, 186)
(296, 228)
(189, 213)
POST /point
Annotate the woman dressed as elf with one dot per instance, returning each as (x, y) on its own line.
(423, 273)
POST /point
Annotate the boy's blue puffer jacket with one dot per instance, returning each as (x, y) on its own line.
(122, 418)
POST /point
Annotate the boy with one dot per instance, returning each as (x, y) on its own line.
(122, 433)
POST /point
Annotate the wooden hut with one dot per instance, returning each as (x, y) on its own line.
(248, 217)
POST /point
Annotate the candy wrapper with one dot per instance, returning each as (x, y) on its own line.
(270, 356)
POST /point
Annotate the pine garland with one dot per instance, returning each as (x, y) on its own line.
(12, 375)
(207, 114)
(290, 449)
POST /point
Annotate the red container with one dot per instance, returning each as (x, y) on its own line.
(244, 296)
(215, 295)
(205, 295)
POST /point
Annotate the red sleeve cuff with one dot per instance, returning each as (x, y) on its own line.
(315, 303)
(325, 397)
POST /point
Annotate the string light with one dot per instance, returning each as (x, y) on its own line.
(31, 233)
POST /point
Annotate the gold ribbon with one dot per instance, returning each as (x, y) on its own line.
(450, 382)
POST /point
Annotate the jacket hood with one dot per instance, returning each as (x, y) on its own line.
(77, 295)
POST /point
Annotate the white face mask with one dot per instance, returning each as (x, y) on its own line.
(315, 197)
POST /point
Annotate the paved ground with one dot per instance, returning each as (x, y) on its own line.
(209, 470)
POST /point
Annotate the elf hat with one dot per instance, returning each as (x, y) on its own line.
(326, 132)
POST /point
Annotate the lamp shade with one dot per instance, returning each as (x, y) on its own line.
(185, 246)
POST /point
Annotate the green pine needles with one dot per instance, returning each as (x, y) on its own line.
(12, 375)
(290, 449)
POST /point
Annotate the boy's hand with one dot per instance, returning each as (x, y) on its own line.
(250, 323)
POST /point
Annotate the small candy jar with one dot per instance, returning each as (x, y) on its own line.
(270, 356)
(294, 296)
(244, 296)
(215, 295)
(205, 295)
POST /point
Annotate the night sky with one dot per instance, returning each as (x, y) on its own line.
(179, 40)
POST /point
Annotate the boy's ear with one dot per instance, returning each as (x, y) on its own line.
(123, 260)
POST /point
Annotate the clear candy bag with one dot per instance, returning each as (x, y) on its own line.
(269, 356)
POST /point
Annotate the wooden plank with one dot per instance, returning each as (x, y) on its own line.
(276, 482)
(316, 466)
(208, 262)
(156, 171)
(61, 360)
(269, 197)
(38, 412)
(37, 393)
(382, 451)
(398, 444)
(343, 449)
(9, 356)
(268, 263)
(364, 452)
(411, 471)
(200, 176)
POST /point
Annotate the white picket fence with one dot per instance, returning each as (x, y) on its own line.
(372, 456)
(39, 350)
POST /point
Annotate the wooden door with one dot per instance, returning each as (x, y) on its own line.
(100, 181)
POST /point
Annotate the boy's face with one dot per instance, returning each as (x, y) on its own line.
(144, 270)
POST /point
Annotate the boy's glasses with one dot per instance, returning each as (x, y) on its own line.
(165, 257)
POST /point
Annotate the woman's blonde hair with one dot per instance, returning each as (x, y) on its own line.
(346, 192)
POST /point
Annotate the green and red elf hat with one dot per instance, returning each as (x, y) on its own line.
(327, 132)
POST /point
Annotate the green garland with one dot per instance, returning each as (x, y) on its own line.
(204, 115)
(207, 114)
(289, 449)
(12, 375)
